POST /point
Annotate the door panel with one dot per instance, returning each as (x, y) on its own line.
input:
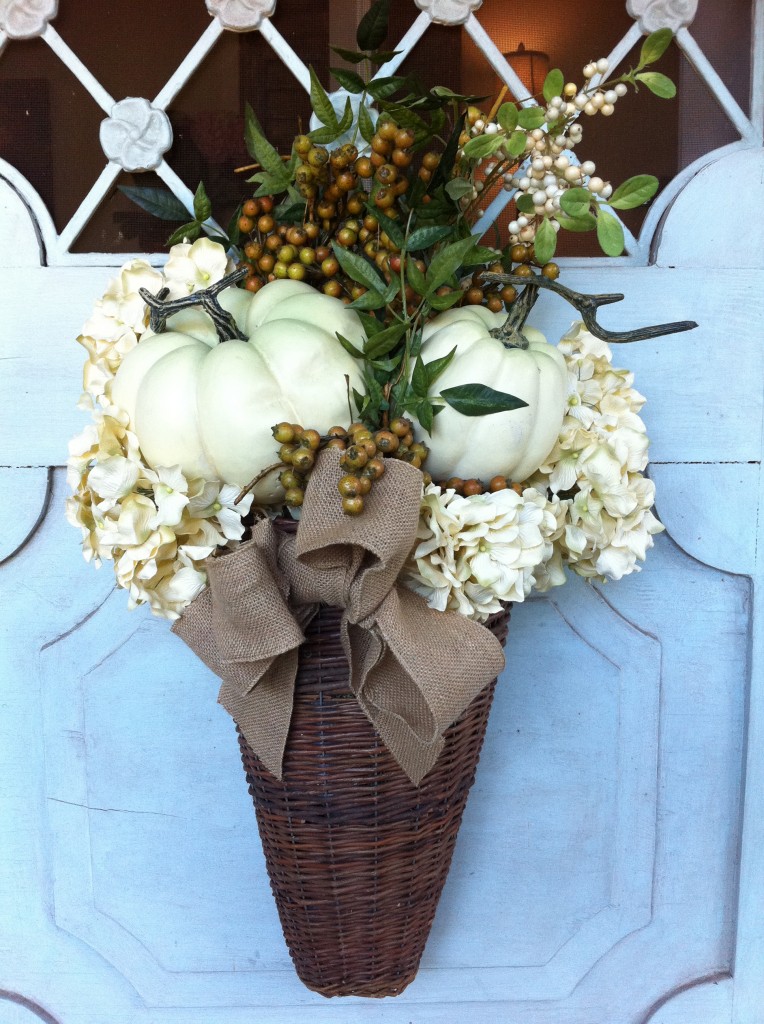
(597, 877)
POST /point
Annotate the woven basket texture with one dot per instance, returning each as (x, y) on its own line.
(357, 855)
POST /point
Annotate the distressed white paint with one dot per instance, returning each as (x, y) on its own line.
(25, 19)
(595, 879)
(136, 135)
(241, 15)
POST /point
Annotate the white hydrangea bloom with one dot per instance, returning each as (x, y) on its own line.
(191, 267)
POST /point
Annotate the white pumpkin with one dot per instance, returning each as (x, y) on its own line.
(512, 444)
(209, 407)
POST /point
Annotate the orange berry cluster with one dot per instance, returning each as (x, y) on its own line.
(363, 455)
(469, 487)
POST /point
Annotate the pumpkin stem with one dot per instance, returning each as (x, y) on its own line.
(587, 306)
(161, 307)
(510, 334)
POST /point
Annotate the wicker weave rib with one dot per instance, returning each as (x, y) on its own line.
(357, 855)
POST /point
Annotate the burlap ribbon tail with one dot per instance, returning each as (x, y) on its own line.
(413, 670)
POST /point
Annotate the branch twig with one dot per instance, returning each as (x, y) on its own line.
(162, 308)
(253, 483)
(587, 306)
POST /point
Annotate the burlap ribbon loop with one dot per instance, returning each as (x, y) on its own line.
(413, 670)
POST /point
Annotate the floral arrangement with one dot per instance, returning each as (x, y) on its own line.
(361, 242)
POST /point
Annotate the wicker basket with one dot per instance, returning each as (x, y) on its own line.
(357, 855)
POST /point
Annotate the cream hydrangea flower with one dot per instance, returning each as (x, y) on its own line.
(190, 267)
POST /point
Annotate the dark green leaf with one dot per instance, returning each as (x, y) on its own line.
(480, 400)
(348, 79)
(351, 56)
(234, 234)
(381, 88)
(576, 202)
(609, 233)
(156, 201)
(406, 118)
(525, 204)
(437, 366)
(290, 213)
(423, 238)
(258, 146)
(187, 233)
(270, 185)
(371, 299)
(634, 192)
(579, 224)
(202, 204)
(365, 123)
(387, 365)
(446, 301)
(545, 241)
(322, 105)
(379, 57)
(391, 227)
(478, 255)
(659, 84)
(482, 146)
(457, 188)
(361, 401)
(373, 26)
(358, 268)
(445, 263)
(517, 143)
(507, 117)
(419, 381)
(370, 324)
(553, 84)
(655, 46)
(385, 341)
(445, 167)
(416, 278)
(425, 415)
(349, 347)
(531, 117)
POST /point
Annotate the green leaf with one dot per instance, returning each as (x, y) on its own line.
(480, 400)
(370, 324)
(234, 234)
(270, 184)
(406, 118)
(507, 116)
(381, 88)
(385, 341)
(517, 142)
(445, 263)
(531, 117)
(445, 168)
(202, 204)
(258, 146)
(424, 413)
(391, 227)
(289, 212)
(579, 224)
(437, 366)
(379, 57)
(457, 188)
(482, 146)
(416, 278)
(365, 123)
(609, 233)
(655, 46)
(188, 232)
(359, 269)
(545, 241)
(348, 79)
(373, 26)
(423, 238)
(351, 56)
(525, 204)
(553, 84)
(478, 255)
(156, 201)
(441, 302)
(634, 192)
(576, 202)
(419, 381)
(372, 299)
(322, 105)
(658, 84)
(349, 347)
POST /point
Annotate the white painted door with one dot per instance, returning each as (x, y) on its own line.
(610, 868)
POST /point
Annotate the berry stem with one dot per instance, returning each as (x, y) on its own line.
(253, 483)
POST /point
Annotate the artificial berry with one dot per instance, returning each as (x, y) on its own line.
(352, 506)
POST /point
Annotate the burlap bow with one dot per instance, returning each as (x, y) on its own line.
(413, 670)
